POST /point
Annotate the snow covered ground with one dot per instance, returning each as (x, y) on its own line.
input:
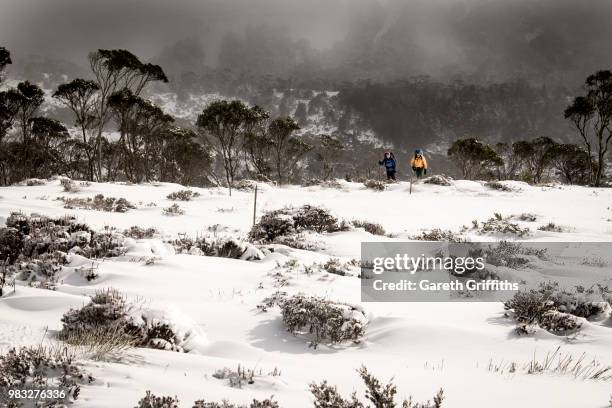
(423, 346)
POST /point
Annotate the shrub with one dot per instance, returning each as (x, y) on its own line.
(334, 266)
(121, 322)
(69, 185)
(98, 203)
(381, 396)
(497, 224)
(323, 320)
(559, 310)
(35, 182)
(245, 185)
(376, 185)
(137, 232)
(551, 227)
(151, 400)
(183, 195)
(496, 185)
(511, 255)
(41, 368)
(559, 323)
(372, 228)
(529, 306)
(287, 222)
(439, 179)
(216, 246)
(267, 403)
(438, 234)
(529, 217)
(173, 210)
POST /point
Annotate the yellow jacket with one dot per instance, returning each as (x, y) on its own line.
(418, 162)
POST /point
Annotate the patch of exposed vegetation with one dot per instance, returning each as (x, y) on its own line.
(98, 203)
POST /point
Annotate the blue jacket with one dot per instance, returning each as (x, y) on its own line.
(389, 163)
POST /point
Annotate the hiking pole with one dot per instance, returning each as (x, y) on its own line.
(411, 173)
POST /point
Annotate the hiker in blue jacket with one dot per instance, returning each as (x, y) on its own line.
(389, 163)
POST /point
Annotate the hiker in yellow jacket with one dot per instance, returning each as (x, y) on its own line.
(419, 163)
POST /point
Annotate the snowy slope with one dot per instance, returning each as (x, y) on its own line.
(424, 346)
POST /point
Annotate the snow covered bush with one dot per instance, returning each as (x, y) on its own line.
(109, 313)
(138, 232)
(245, 185)
(334, 266)
(376, 185)
(496, 185)
(267, 403)
(372, 228)
(41, 368)
(551, 227)
(241, 376)
(35, 182)
(438, 234)
(69, 185)
(499, 225)
(559, 323)
(289, 221)
(528, 217)
(173, 210)
(225, 247)
(512, 254)
(183, 195)
(381, 396)
(323, 319)
(560, 311)
(439, 179)
(151, 400)
(98, 203)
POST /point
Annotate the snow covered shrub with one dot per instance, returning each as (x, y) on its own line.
(439, 179)
(559, 323)
(183, 195)
(41, 368)
(528, 217)
(496, 185)
(551, 227)
(107, 308)
(267, 403)
(438, 234)
(375, 185)
(290, 221)
(372, 228)
(110, 314)
(98, 203)
(11, 244)
(511, 254)
(528, 307)
(225, 247)
(173, 210)
(138, 232)
(245, 185)
(499, 225)
(42, 271)
(560, 311)
(35, 182)
(323, 319)
(236, 378)
(151, 400)
(334, 266)
(69, 185)
(381, 396)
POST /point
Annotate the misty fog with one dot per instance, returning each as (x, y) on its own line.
(478, 40)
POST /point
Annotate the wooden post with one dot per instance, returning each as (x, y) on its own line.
(255, 205)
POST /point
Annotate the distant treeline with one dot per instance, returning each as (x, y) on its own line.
(119, 135)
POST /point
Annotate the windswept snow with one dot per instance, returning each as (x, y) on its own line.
(424, 346)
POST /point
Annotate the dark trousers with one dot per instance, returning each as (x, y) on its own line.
(390, 174)
(418, 172)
